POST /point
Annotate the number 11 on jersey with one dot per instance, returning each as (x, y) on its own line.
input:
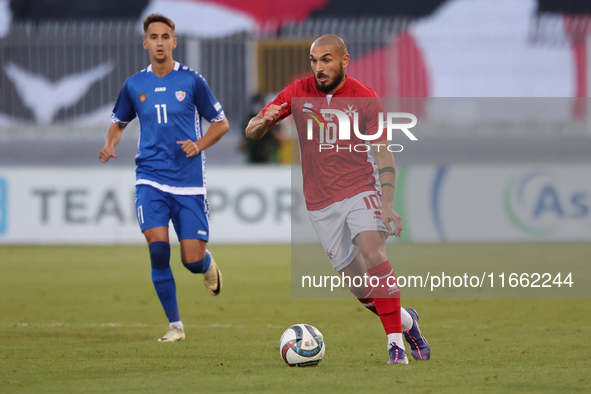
(163, 113)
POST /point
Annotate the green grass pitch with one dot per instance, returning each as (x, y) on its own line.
(86, 320)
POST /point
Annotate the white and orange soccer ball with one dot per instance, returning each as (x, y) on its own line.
(302, 345)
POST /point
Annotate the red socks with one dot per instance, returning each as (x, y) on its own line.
(368, 301)
(386, 297)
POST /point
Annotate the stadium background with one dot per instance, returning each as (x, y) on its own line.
(500, 172)
(64, 62)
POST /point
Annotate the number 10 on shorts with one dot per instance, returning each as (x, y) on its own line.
(372, 202)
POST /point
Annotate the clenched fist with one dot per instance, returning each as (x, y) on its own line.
(273, 112)
(106, 153)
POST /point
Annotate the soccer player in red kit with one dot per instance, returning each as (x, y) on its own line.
(348, 196)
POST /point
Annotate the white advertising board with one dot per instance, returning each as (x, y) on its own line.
(460, 203)
(96, 206)
(500, 203)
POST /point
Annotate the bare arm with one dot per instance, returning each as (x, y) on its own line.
(387, 172)
(215, 132)
(261, 124)
(113, 138)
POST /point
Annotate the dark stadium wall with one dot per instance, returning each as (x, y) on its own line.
(368, 8)
(404, 64)
(48, 10)
(262, 10)
(574, 7)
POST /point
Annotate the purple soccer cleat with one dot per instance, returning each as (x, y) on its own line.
(419, 347)
(397, 355)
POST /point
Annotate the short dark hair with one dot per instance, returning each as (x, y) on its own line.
(157, 18)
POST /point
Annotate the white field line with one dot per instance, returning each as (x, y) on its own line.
(130, 325)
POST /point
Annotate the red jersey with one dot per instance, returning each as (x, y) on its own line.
(333, 168)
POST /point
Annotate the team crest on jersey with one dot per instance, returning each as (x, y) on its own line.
(143, 98)
(180, 95)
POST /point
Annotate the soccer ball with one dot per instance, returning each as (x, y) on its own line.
(302, 345)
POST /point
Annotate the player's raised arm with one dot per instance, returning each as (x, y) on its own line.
(262, 123)
(387, 171)
(113, 138)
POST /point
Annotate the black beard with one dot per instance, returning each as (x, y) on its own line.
(327, 88)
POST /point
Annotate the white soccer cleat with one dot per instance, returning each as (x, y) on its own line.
(212, 279)
(174, 334)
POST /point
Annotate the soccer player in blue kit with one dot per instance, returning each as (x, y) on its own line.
(169, 100)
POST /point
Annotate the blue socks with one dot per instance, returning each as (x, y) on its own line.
(201, 266)
(163, 279)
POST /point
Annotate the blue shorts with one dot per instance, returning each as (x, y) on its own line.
(189, 214)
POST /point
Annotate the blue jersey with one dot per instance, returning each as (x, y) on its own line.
(169, 109)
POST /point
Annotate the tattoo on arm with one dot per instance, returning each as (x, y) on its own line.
(388, 184)
(387, 169)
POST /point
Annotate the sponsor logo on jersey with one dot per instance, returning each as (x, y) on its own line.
(143, 98)
(160, 90)
(180, 95)
(3, 205)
